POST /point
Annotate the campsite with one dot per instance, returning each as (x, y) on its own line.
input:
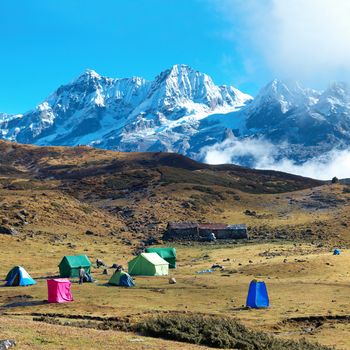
(294, 226)
(296, 289)
(175, 174)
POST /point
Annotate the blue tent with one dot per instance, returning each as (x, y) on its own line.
(257, 295)
(18, 276)
(336, 251)
(121, 278)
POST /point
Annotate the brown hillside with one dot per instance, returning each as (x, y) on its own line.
(134, 195)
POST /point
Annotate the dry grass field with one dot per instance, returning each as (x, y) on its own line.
(53, 196)
(303, 281)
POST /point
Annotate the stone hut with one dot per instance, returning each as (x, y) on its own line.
(182, 231)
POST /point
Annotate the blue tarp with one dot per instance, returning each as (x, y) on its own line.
(87, 278)
(18, 276)
(336, 252)
(205, 271)
(257, 295)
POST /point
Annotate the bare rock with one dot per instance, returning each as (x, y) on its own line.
(7, 344)
(7, 230)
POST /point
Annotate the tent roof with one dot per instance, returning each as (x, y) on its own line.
(154, 258)
(77, 260)
(164, 252)
(9, 273)
(120, 272)
(60, 280)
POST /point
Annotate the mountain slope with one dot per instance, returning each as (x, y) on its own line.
(138, 191)
(77, 163)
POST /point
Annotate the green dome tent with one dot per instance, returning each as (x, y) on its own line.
(167, 253)
(69, 265)
(121, 278)
(148, 264)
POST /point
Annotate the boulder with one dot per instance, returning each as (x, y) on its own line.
(24, 212)
(5, 221)
(7, 344)
(172, 280)
(7, 230)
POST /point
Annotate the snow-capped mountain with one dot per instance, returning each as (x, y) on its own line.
(182, 110)
(309, 121)
(125, 114)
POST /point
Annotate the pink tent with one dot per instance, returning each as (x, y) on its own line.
(59, 290)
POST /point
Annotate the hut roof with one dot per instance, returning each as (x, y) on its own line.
(207, 226)
(212, 226)
(182, 225)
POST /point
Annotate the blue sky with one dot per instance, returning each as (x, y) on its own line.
(246, 43)
(48, 43)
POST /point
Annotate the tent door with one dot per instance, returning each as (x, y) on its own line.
(16, 280)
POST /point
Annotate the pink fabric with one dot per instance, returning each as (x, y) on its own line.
(59, 290)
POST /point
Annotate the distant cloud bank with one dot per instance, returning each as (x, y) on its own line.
(262, 154)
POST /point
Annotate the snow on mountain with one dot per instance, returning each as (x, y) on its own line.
(125, 114)
(182, 110)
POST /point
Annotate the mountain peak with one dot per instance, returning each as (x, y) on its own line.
(177, 71)
(176, 68)
(87, 75)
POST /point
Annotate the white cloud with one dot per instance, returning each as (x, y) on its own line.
(261, 154)
(299, 39)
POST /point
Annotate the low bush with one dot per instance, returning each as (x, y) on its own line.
(217, 332)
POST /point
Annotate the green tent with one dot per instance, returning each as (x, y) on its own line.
(121, 278)
(148, 264)
(168, 254)
(69, 265)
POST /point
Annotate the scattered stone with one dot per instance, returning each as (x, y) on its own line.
(90, 233)
(24, 212)
(7, 344)
(150, 241)
(172, 280)
(5, 221)
(127, 241)
(6, 230)
(217, 266)
(136, 340)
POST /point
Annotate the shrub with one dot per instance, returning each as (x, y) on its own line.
(346, 189)
(216, 332)
(335, 180)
